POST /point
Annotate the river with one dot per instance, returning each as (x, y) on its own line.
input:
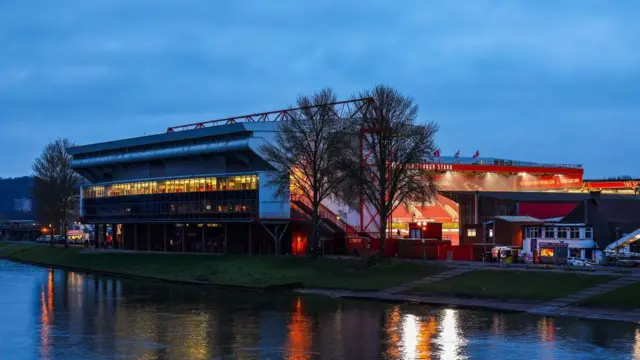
(54, 314)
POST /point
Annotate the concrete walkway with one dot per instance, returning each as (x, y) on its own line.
(553, 306)
(427, 280)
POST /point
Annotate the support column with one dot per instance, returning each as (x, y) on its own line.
(104, 233)
(164, 233)
(226, 248)
(148, 237)
(182, 235)
(135, 237)
(97, 233)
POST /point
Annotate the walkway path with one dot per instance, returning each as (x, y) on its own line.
(553, 306)
(427, 280)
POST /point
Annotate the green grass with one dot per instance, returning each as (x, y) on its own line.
(232, 270)
(627, 297)
(513, 285)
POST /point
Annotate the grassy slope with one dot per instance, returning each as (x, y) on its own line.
(627, 297)
(512, 284)
(232, 270)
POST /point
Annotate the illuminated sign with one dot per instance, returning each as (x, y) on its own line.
(431, 167)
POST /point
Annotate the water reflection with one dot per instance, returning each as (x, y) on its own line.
(77, 316)
(450, 339)
(636, 346)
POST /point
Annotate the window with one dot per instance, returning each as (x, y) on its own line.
(588, 233)
(490, 232)
(471, 232)
(573, 252)
(533, 232)
(574, 233)
(244, 182)
(550, 233)
(546, 252)
(563, 233)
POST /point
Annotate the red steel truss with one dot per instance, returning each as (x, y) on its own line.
(343, 109)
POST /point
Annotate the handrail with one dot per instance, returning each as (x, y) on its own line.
(325, 213)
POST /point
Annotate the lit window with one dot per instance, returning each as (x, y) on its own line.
(546, 252)
(471, 232)
(490, 232)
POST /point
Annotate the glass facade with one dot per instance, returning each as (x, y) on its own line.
(203, 198)
(173, 186)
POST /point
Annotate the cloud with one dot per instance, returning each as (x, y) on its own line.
(531, 80)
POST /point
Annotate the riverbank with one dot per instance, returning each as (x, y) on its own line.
(261, 272)
(522, 290)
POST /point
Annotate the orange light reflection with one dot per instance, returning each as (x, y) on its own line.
(299, 334)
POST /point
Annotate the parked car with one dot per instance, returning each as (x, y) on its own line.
(43, 239)
(577, 262)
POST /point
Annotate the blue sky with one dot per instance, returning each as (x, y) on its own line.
(543, 80)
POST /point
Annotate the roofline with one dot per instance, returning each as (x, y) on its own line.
(171, 137)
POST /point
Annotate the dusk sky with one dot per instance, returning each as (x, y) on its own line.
(548, 81)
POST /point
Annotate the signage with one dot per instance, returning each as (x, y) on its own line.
(549, 182)
(431, 166)
(552, 244)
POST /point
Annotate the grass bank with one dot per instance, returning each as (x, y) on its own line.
(255, 271)
(512, 285)
(627, 297)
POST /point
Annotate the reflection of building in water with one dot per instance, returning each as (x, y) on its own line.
(392, 330)
(299, 337)
(46, 316)
(349, 332)
(246, 335)
(498, 323)
(547, 329)
(409, 336)
(196, 340)
(417, 334)
(450, 339)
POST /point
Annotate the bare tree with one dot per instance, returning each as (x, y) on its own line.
(308, 146)
(56, 190)
(380, 167)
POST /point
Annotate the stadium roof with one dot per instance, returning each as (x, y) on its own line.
(173, 137)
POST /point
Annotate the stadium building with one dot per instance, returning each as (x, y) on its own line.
(204, 188)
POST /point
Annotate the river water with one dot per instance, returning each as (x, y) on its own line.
(52, 314)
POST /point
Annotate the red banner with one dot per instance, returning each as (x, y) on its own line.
(549, 182)
(618, 184)
(499, 182)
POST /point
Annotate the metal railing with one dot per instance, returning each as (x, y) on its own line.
(326, 214)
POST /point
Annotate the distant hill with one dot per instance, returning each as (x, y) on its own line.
(16, 198)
